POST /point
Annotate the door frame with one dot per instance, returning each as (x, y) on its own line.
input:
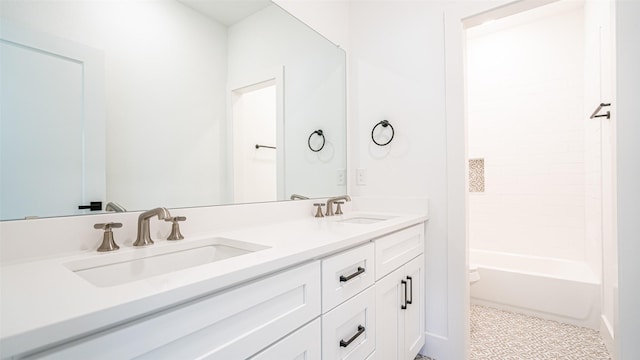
(455, 22)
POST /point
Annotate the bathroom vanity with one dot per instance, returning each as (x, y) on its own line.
(342, 287)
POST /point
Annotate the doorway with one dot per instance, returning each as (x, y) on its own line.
(52, 125)
(255, 142)
(540, 173)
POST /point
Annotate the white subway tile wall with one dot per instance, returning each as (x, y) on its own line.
(526, 114)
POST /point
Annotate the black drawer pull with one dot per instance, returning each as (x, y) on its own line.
(404, 306)
(347, 278)
(410, 290)
(360, 332)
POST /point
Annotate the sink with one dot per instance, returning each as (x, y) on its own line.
(120, 268)
(364, 219)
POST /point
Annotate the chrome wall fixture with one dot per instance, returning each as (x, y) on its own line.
(258, 146)
(318, 132)
(595, 113)
(385, 124)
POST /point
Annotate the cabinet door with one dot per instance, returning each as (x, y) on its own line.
(304, 344)
(400, 312)
(389, 300)
(414, 314)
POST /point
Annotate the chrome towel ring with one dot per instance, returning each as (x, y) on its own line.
(384, 123)
(319, 133)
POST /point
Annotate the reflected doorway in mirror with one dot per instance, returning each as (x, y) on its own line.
(254, 121)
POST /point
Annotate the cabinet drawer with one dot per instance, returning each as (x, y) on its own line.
(394, 250)
(304, 344)
(231, 325)
(346, 274)
(349, 330)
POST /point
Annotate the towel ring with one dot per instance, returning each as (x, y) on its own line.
(319, 133)
(384, 123)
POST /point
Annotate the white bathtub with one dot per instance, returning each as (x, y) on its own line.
(555, 289)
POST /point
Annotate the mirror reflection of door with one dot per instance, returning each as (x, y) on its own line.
(254, 143)
(52, 135)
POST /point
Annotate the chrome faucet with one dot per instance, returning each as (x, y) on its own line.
(298, 197)
(144, 238)
(332, 200)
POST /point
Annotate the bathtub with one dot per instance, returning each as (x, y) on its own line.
(554, 289)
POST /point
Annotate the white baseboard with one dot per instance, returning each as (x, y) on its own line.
(435, 346)
(606, 331)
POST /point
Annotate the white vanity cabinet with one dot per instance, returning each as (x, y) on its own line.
(362, 303)
(235, 324)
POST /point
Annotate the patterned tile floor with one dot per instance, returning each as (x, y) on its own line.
(502, 335)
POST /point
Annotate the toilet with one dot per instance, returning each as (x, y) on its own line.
(474, 275)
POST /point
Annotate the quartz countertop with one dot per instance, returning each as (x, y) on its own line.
(43, 303)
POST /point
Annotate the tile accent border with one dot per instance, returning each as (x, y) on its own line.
(476, 175)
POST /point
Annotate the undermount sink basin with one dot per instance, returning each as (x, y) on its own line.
(116, 269)
(364, 219)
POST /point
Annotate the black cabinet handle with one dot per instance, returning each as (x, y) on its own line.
(347, 278)
(361, 330)
(404, 306)
(95, 206)
(410, 290)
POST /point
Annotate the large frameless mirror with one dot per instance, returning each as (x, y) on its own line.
(165, 103)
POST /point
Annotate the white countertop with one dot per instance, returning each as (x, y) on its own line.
(44, 303)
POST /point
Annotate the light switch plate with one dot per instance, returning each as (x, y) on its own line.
(341, 177)
(361, 176)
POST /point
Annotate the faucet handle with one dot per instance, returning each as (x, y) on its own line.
(319, 213)
(175, 227)
(339, 208)
(108, 244)
(107, 226)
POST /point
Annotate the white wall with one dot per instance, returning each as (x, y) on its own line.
(627, 49)
(592, 129)
(393, 77)
(599, 157)
(312, 101)
(329, 18)
(148, 101)
(526, 119)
